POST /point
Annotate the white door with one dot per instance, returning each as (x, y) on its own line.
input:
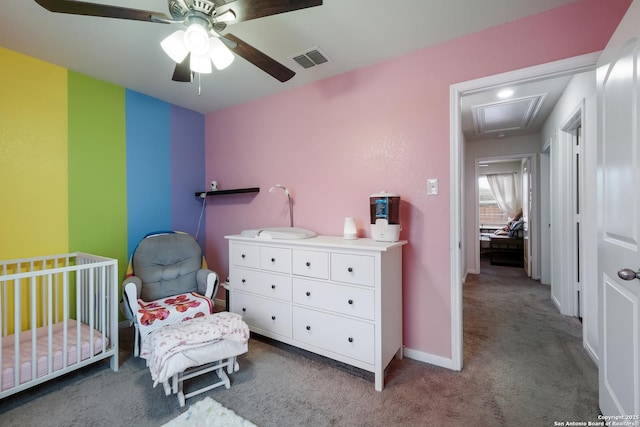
(619, 221)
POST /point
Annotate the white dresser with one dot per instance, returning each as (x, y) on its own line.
(338, 298)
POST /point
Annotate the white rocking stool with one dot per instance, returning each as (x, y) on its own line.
(186, 350)
(177, 380)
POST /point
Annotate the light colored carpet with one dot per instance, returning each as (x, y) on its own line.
(208, 413)
(524, 364)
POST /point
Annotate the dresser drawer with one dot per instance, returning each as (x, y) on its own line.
(311, 264)
(348, 337)
(275, 259)
(341, 299)
(268, 315)
(259, 282)
(357, 269)
(245, 255)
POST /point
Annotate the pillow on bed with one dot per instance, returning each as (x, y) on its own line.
(515, 227)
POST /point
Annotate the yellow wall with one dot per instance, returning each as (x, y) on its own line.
(33, 157)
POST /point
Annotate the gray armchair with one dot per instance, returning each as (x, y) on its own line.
(167, 282)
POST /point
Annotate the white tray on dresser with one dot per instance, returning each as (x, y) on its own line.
(338, 298)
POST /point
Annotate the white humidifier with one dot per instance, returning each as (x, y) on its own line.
(385, 216)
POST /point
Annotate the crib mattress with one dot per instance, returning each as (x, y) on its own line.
(42, 344)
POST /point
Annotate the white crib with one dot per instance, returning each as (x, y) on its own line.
(58, 313)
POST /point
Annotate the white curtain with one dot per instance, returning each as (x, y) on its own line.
(504, 187)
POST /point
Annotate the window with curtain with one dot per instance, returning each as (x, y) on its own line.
(490, 212)
(504, 187)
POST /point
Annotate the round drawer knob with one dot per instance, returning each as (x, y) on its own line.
(273, 317)
(273, 260)
(273, 286)
(243, 256)
(308, 293)
(350, 339)
(244, 309)
(350, 302)
(308, 264)
(308, 328)
(350, 270)
(243, 280)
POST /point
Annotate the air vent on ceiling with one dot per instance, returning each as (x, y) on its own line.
(506, 115)
(311, 58)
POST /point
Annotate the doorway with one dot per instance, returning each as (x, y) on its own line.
(567, 267)
(519, 252)
(459, 229)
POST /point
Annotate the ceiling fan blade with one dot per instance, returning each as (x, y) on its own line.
(259, 59)
(93, 9)
(183, 73)
(252, 9)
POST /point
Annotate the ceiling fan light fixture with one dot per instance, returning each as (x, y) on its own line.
(219, 53)
(203, 19)
(200, 64)
(196, 38)
(174, 46)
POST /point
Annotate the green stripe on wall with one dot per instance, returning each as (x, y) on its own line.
(97, 169)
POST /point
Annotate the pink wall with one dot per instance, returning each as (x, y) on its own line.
(384, 127)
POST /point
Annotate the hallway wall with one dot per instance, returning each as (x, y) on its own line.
(580, 92)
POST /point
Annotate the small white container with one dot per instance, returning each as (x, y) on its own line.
(350, 230)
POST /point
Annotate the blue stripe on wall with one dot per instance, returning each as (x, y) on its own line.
(148, 166)
(187, 171)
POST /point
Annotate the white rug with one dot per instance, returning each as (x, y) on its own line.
(208, 413)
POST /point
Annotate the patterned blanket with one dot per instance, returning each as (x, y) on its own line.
(163, 312)
(164, 343)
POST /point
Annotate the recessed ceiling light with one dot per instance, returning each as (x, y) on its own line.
(505, 93)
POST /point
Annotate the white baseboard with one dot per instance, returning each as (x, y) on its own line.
(592, 354)
(429, 358)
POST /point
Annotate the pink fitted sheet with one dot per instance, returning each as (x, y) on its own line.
(8, 351)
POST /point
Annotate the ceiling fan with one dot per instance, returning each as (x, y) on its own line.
(201, 43)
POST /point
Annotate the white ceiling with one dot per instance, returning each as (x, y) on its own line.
(352, 33)
(501, 123)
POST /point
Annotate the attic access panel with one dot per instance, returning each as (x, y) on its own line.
(513, 114)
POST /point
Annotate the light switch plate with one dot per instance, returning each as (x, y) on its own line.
(432, 186)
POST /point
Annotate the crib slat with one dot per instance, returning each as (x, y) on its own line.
(48, 321)
(5, 304)
(16, 341)
(92, 305)
(65, 309)
(103, 302)
(31, 316)
(78, 310)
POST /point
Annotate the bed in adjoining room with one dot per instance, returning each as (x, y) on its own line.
(58, 313)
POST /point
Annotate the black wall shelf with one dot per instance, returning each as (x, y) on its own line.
(234, 191)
